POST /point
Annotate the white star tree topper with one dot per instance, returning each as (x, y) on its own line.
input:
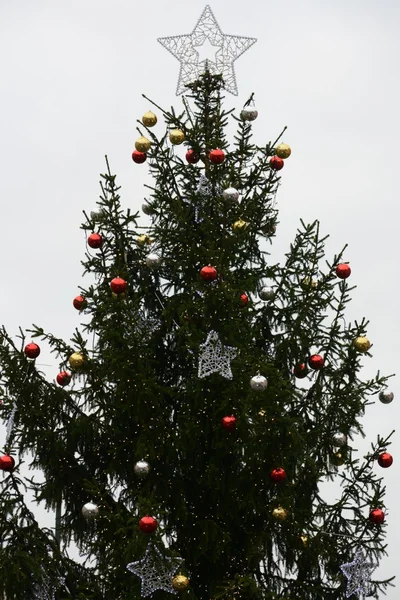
(155, 571)
(207, 34)
(358, 575)
(215, 358)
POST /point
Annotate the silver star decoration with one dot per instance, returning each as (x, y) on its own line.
(215, 358)
(155, 571)
(227, 49)
(358, 574)
(46, 590)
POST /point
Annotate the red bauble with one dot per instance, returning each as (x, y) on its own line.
(278, 475)
(229, 423)
(118, 285)
(192, 157)
(63, 378)
(208, 273)
(377, 516)
(300, 370)
(217, 156)
(79, 302)
(244, 299)
(32, 350)
(316, 361)
(138, 157)
(95, 240)
(343, 271)
(385, 460)
(148, 524)
(276, 163)
(7, 462)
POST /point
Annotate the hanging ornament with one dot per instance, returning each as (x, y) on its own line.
(239, 225)
(90, 510)
(147, 208)
(229, 423)
(32, 350)
(180, 583)
(308, 284)
(300, 370)
(148, 524)
(362, 344)
(155, 570)
(339, 439)
(215, 358)
(208, 273)
(230, 195)
(63, 378)
(259, 383)
(138, 157)
(305, 540)
(141, 469)
(278, 475)
(192, 157)
(377, 516)
(142, 144)
(386, 397)
(79, 302)
(358, 575)
(149, 119)
(338, 458)
(153, 260)
(118, 285)
(249, 113)
(243, 300)
(283, 151)
(7, 463)
(144, 239)
(95, 240)
(276, 163)
(266, 293)
(385, 460)
(176, 136)
(343, 271)
(316, 361)
(280, 514)
(217, 156)
(269, 229)
(76, 360)
(97, 215)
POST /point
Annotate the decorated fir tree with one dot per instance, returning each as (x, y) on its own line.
(209, 392)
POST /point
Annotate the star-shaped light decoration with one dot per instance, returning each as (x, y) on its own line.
(215, 358)
(155, 571)
(46, 589)
(358, 574)
(208, 33)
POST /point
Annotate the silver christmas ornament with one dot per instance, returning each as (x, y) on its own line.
(266, 293)
(386, 397)
(339, 439)
(147, 209)
(230, 194)
(259, 383)
(249, 114)
(90, 510)
(153, 260)
(141, 468)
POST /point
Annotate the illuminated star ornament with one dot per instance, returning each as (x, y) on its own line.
(223, 51)
(155, 571)
(358, 575)
(215, 358)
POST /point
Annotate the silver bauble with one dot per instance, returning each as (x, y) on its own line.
(249, 114)
(230, 194)
(266, 293)
(386, 397)
(339, 439)
(90, 510)
(259, 383)
(141, 468)
(153, 260)
(147, 209)
(97, 215)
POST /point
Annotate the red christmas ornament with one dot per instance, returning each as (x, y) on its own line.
(63, 378)
(316, 361)
(276, 163)
(138, 157)
(148, 524)
(377, 516)
(208, 273)
(192, 157)
(300, 370)
(244, 299)
(278, 475)
(229, 423)
(217, 156)
(95, 240)
(385, 460)
(32, 350)
(7, 462)
(118, 285)
(79, 302)
(343, 271)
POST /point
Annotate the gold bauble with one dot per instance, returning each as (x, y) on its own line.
(283, 151)
(143, 239)
(149, 119)
(362, 344)
(338, 458)
(76, 360)
(280, 514)
(142, 144)
(308, 283)
(176, 136)
(240, 225)
(180, 583)
(304, 540)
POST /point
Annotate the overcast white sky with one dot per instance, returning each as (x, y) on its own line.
(72, 74)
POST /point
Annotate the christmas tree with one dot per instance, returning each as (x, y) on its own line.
(209, 393)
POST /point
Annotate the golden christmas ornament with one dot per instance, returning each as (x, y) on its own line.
(308, 283)
(180, 583)
(338, 458)
(304, 540)
(283, 151)
(239, 225)
(149, 119)
(76, 360)
(362, 344)
(280, 514)
(176, 136)
(144, 239)
(142, 144)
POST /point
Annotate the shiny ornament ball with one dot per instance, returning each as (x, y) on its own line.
(180, 583)
(142, 144)
(176, 136)
(229, 423)
(141, 468)
(377, 516)
(305, 540)
(149, 119)
(139, 157)
(338, 458)
(276, 163)
(362, 344)
(316, 361)
(32, 350)
(269, 229)
(283, 151)
(339, 439)
(278, 475)
(280, 514)
(217, 156)
(240, 225)
(118, 285)
(249, 113)
(76, 360)
(147, 208)
(148, 524)
(90, 510)
(192, 157)
(308, 283)
(63, 378)
(243, 300)
(208, 273)
(300, 370)
(266, 293)
(230, 194)
(7, 463)
(386, 397)
(95, 240)
(144, 239)
(343, 271)
(259, 383)
(79, 302)
(385, 460)
(153, 260)
(97, 215)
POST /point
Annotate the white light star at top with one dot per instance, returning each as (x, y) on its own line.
(207, 32)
